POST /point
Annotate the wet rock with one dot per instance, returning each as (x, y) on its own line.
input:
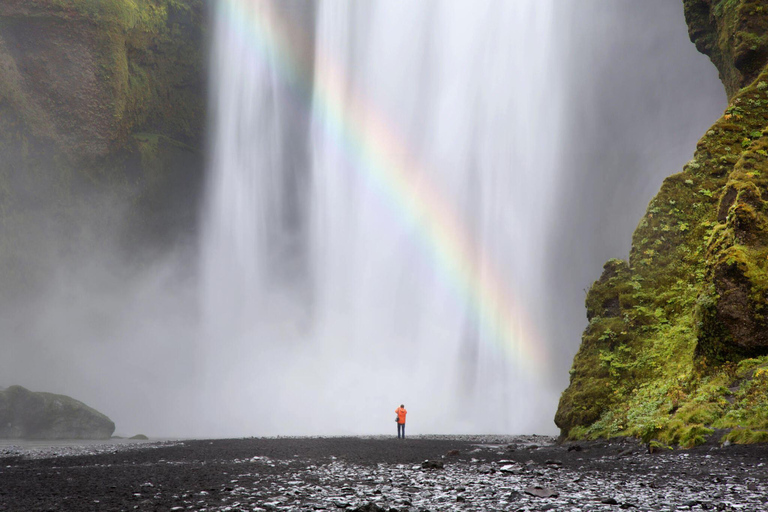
(509, 468)
(370, 507)
(485, 470)
(609, 501)
(432, 464)
(541, 492)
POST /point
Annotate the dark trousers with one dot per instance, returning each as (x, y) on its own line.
(401, 428)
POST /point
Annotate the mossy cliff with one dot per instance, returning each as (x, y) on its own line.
(676, 349)
(101, 102)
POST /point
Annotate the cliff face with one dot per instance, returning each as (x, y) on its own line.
(734, 34)
(86, 74)
(677, 343)
(100, 101)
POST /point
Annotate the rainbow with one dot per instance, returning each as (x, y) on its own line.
(364, 134)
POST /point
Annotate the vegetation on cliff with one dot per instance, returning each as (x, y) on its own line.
(676, 348)
(102, 102)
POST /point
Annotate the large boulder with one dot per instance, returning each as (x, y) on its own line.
(28, 415)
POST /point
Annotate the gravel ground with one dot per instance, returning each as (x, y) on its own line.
(375, 473)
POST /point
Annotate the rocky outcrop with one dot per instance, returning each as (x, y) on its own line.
(734, 34)
(28, 415)
(677, 342)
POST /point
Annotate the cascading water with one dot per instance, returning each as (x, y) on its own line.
(374, 219)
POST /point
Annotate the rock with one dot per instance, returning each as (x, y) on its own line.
(609, 501)
(432, 464)
(541, 492)
(370, 507)
(509, 468)
(139, 437)
(453, 453)
(725, 44)
(28, 415)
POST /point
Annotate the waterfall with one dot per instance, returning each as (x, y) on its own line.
(353, 144)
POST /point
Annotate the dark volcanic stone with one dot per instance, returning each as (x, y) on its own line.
(370, 507)
(432, 464)
(28, 415)
(349, 473)
(541, 492)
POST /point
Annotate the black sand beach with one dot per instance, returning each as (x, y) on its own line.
(463, 473)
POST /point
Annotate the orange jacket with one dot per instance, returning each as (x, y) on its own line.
(401, 412)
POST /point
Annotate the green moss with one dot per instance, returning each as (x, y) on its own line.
(147, 102)
(746, 436)
(677, 432)
(660, 359)
(733, 34)
(657, 447)
(700, 413)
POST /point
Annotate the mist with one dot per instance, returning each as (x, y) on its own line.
(303, 296)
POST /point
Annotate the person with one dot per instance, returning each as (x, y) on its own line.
(401, 412)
